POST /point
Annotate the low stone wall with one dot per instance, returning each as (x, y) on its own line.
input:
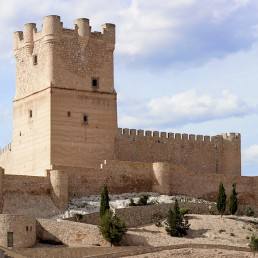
(141, 215)
(69, 233)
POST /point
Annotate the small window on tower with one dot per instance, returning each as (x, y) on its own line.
(85, 119)
(30, 113)
(68, 113)
(35, 60)
(95, 83)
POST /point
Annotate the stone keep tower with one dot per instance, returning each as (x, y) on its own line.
(65, 108)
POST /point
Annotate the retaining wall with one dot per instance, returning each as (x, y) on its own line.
(141, 215)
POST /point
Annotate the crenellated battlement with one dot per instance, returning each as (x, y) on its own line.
(7, 148)
(52, 30)
(177, 136)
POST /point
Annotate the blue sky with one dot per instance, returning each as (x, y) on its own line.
(183, 65)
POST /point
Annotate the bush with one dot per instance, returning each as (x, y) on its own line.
(143, 200)
(176, 224)
(221, 200)
(254, 243)
(104, 201)
(112, 228)
(132, 203)
(249, 212)
(233, 201)
(184, 211)
(78, 216)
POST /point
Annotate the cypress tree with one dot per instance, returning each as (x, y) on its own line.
(221, 200)
(104, 201)
(233, 201)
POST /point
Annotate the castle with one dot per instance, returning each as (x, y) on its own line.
(66, 141)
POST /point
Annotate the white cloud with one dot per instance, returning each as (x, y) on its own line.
(250, 154)
(184, 108)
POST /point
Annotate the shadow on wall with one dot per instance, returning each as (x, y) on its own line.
(46, 237)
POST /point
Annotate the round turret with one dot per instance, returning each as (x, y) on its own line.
(51, 25)
(28, 33)
(83, 27)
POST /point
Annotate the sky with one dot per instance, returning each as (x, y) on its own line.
(187, 66)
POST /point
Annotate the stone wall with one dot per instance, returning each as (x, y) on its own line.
(31, 135)
(79, 143)
(120, 177)
(34, 195)
(206, 186)
(197, 153)
(26, 184)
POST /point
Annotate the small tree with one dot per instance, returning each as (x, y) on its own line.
(221, 201)
(143, 200)
(104, 201)
(112, 228)
(176, 224)
(233, 201)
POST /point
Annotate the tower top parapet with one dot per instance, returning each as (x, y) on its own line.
(53, 29)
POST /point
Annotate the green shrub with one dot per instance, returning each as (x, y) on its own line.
(233, 201)
(112, 228)
(104, 201)
(254, 243)
(221, 200)
(249, 212)
(132, 203)
(176, 225)
(184, 211)
(143, 200)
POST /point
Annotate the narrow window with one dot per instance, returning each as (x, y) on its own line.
(68, 113)
(217, 166)
(30, 113)
(9, 239)
(85, 119)
(27, 228)
(35, 60)
(95, 83)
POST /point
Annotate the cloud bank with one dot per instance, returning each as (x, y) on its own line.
(184, 108)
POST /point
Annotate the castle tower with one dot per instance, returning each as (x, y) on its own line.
(65, 103)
